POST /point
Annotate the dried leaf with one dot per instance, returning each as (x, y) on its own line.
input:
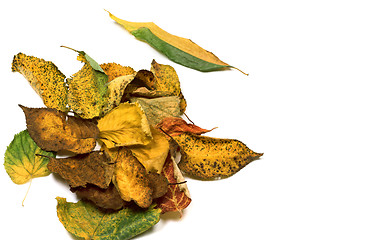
(158, 183)
(130, 177)
(175, 126)
(85, 221)
(180, 50)
(157, 109)
(23, 161)
(146, 78)
(93, 168)
(45, 79)
(153, 155)
(168, 81)
(115, 91)
(125, 125)
(211, 158)
(105, 198)
(114, 70)
(53, 130)
(177, 197)
(144, 92)
(87, 94)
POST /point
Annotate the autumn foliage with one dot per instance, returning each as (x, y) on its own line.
(136, 119)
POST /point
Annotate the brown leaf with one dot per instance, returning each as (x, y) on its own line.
(130, 177)
(105, 198)
(53, 130)
(158, 183)
(93, 168)
(175, 199)
(175, 126)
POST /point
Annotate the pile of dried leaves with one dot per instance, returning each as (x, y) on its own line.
(121, 131)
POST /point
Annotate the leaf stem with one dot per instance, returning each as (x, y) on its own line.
(240, 71)
(70, 48)
(30, 183)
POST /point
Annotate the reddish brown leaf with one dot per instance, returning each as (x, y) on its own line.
(158, 183)
(175, 199)
(105, 198)
(175, 126)
(93, 168)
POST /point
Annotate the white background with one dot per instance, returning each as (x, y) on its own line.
(302, 105)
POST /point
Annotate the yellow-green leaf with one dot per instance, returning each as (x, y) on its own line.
(87, 94)
(125, 125)
(180, 50)
(45, 79)
(85, 221)
(24, 159)
(211, 158)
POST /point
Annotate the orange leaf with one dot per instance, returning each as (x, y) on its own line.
(175, 126)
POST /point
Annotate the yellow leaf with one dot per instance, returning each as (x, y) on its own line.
(125, 125)
(114, 70)
(210, 158)
(45, 79)
(130, 177)
(153, 155)
(168, 81)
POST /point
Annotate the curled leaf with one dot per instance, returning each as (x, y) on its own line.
(125, 125)
(175, 126)
(85, 221)
(180, 50)
(45, 79)
(53, 130)
(210, 158)
(24, 159)
(130, 177)
(93, 168)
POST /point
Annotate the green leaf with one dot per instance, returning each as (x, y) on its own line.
(85, 221)
(23, 161)
(88, 92)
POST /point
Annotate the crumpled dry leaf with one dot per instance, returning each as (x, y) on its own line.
(116, 89)
(94, 168)
(177, 197)
(130, 177)
(157, 109)
(85, 221)
(125, 125)
(53, 130)
(174, 126)
(168, 81)
(23, 160)
(105, 198)
(153, 155)
(144, 92)
(45, 79)
(211, 158)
